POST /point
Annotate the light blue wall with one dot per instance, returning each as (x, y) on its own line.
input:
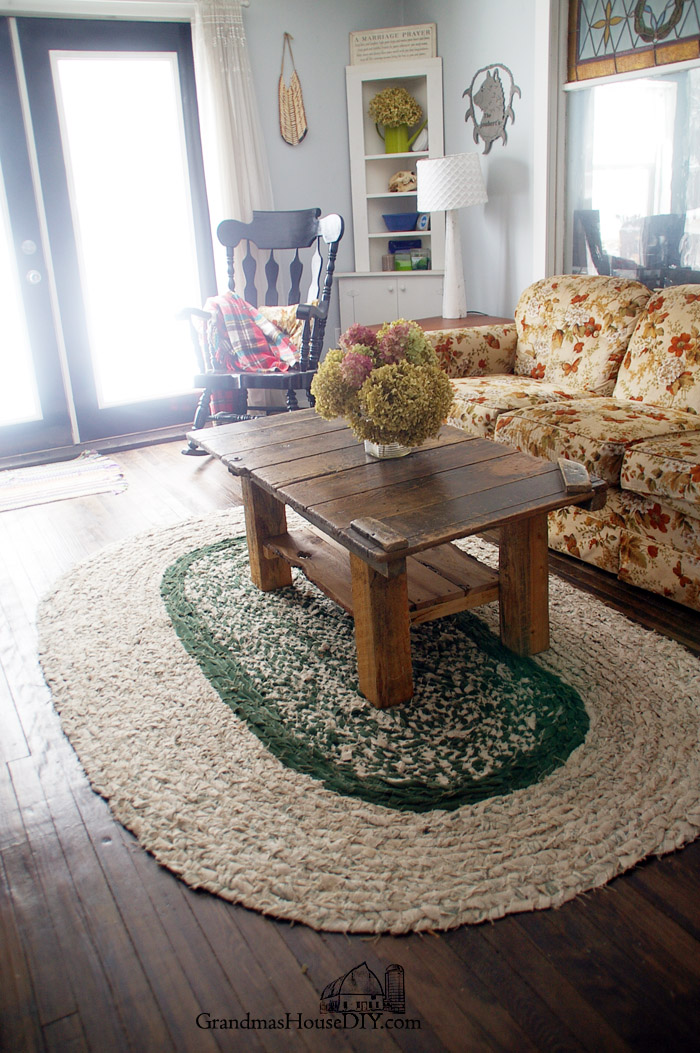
(317, 171)
(497, 237)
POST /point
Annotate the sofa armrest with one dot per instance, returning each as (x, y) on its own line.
(476, 351)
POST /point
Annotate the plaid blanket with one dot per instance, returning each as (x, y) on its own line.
(238, 339)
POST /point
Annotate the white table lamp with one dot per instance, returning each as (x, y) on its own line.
(447, 184)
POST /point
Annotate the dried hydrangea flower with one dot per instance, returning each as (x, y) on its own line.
(356, 367)
(394, 107)
(358, 334)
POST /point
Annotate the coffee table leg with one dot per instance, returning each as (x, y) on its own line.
(380, 609)
(524, 585)
(265, 517)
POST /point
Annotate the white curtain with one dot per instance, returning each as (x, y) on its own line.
(235, 161)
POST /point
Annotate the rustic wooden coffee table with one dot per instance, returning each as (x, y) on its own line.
(380, 531)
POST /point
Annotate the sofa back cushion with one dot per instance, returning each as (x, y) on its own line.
(573, 330)
(662, 364)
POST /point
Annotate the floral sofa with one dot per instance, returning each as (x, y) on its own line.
(603, 371)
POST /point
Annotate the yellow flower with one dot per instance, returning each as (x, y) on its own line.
(393, 107)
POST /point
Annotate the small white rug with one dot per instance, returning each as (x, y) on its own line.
(211, 802)
(88, 474)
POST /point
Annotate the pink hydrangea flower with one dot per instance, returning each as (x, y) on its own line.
(355, 368)
(392, 344)
(358, 334)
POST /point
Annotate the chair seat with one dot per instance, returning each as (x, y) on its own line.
(295, 379)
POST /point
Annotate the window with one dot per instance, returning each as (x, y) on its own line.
(633, 178)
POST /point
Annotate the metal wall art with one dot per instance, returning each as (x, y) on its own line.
(488, 94)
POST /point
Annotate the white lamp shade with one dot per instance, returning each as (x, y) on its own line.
(446, 183)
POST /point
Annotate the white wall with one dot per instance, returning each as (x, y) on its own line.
(496, 237)
(317, 171)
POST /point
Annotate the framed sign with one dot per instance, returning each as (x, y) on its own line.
(397, 42)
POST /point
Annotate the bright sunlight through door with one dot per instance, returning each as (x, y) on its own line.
(123, 139)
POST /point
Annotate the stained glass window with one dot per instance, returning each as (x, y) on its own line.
(616, 36)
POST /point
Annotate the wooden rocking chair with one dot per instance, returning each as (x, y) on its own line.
(272, 232)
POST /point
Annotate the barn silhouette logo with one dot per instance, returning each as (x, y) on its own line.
(361, 991)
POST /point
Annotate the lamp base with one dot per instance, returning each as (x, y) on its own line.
(454, 297)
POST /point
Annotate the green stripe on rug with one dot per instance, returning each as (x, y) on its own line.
(483, 721)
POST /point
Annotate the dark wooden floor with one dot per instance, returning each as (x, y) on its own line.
(101, 949)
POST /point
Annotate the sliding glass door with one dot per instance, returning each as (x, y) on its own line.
(110, 111)
(34, 412)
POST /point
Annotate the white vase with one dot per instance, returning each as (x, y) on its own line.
(389, 449)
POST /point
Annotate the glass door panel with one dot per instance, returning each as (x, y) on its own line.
(114, 121)
(124, 149)
(19, 398)
(34, 410)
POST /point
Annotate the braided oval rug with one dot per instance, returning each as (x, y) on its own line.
(224, 727)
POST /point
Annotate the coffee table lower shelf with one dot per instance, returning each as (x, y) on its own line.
(441, 581)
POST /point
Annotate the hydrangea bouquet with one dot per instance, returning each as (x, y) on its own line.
(388, 385)
(395, 106)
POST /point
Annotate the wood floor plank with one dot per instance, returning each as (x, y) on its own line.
(544, 1028)
(12, 830)
(52, 989)
(83, 967)
(440, 1000)
(13, 743)
(638, 1008)
(165, 976)
(133, 1000)
(561, 997)
(673, 886)
(66, 1036)
(667, 952)
(325, 961)
(19, 1016)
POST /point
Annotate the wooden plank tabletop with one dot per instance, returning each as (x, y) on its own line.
(450, 487)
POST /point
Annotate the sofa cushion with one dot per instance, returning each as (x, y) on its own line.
(594, 431)
(651, 531)
(574, 329)
(593, 537)
(479, 401)
(662, 363)
(660, 568)
(667, 469)
(475, 351)
(655, 521)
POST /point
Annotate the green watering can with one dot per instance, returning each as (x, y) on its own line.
(397, 140)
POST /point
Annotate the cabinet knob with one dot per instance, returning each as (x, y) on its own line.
(402, 288)
(390, 289)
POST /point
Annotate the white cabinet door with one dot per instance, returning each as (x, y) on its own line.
(369, 299)
(419, 297)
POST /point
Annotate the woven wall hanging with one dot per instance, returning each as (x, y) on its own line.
(293, 126)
